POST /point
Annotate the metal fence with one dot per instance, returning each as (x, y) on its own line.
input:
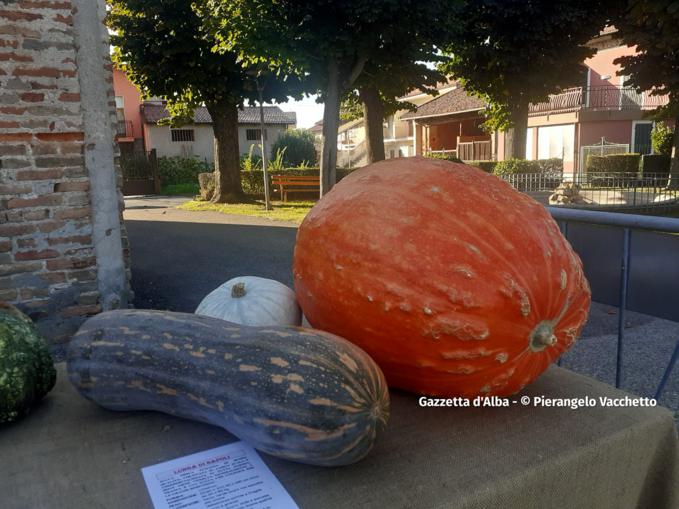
(627, 224)
(601, 190)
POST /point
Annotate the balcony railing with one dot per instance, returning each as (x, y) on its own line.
(124, 129)
(606, 98)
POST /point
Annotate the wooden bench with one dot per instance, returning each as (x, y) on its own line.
(295, 184)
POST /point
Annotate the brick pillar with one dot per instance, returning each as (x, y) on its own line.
(50, 192)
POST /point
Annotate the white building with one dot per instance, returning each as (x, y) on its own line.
(197, 139)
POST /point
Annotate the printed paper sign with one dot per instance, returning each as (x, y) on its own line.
(228, 477)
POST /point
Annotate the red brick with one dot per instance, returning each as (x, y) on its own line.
(44, 4)
(17, 268)
(53, 277)
(33, 293)
(13, 230)
(5, 245)
(69, 97)
(4, 43)
(81, 310)
(36, 85)
(47, 72)
(39, 174)
(67, 20)
(50, 226)
(19, 215)
(84, 240)
(46, 199)
(70, 136)
(32, 97)
(15, 57)
(19, 16)
(27, 242)
(14, 189)
(71, 263)
(15, 29)
(12, 150)
(8, 125)
(72, 213)
(62, 187)
(16, 136)
(68, 73)
(83, 276)
(12, 110)
(36, 255)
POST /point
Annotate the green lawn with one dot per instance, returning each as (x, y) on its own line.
(293, 211)
(189, 189)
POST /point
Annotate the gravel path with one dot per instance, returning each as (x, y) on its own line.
(180, 256)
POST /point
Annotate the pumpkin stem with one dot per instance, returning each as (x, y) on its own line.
(542, 337)
(238, 290)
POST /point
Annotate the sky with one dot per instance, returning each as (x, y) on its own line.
(308, 111)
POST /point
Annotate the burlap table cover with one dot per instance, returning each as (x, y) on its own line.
(71, 454)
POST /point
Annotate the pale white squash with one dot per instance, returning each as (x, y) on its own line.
(251, 300)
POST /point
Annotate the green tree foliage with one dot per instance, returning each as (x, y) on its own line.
(298, 145)
(330, 42)
(513, 52)
(165, 47)
(661, 139)
(653, 26)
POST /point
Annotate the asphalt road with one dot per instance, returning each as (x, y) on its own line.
(177, 259)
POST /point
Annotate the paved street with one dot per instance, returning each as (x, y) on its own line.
(180, 256)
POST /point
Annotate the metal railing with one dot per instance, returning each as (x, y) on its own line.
(599, 98)
(125, 128)
(618, 191)
(627, 222)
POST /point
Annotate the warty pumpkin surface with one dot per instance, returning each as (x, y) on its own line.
(454, 282)
(294, 393)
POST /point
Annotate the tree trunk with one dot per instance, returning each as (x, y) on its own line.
(373, 119)
(330, 128)
(228, 187)
(515, 137)
(674, 163)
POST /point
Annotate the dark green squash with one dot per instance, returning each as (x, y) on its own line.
(27, 372)
(299, 394)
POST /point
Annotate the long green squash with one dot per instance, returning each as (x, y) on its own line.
(299, 394)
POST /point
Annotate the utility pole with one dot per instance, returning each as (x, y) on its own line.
(267, 194)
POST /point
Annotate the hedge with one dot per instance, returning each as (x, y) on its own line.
(658, 164)
(614, 164)
(253, 181)
(514, 166)
(181, 170)
(487, 166)
(445, 157)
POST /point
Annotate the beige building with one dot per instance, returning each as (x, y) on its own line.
(197, 139)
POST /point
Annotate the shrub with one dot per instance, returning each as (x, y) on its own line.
(512, 166)
(250, 161)
(253, 181)
(298, 145)
(614, 164)
(655, 164)
(661, 139)
(445, 157)
(487, 166)
(553, 165)
(181, 170)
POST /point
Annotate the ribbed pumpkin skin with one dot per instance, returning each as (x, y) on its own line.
(442, 273)
(298, 394)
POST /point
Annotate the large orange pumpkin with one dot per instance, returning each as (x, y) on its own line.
(455, 283)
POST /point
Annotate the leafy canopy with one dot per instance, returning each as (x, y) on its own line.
(653, 26)
(513, 52)
(166, 49)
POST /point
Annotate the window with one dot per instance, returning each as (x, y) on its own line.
(182, 134)
(556, 141)
(255, 134)
(641, 137)
(121, 125)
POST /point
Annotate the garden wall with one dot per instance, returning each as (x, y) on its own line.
(63, 248)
